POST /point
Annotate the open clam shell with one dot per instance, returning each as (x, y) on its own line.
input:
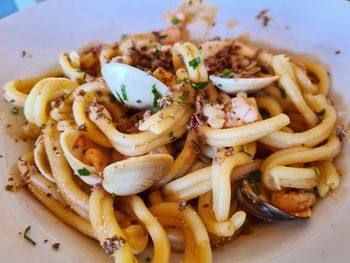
(236, 85)
(134, 175)
(261, 209)
(41, 160)
(67, 140)
(132, 86)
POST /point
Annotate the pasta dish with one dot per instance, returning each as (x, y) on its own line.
(163, 139)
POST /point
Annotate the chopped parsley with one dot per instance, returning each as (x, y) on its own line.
(227, 73)
(254, 175)
(156, 95)
(189, 104)
(14, 110)
(84, 172)
(9, 187)
(199, 160)
(112, 99)
(123, 37)
(321, 113)
(139, 101)
(155, 109)
(194, 62)
(68, 95)
(184, 95)
(184, 81)
(241, 150)
(282, 93)
(123, 89)
(264, 112)
(120, 98)
(175, 21)
(199, 85)
(114, 195)
(157, 52)
(26, 237)
(256, 189)
(317, 172)
(171, 136)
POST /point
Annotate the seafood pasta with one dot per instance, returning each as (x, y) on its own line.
(236, 126)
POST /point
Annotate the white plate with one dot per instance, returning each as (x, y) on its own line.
(316, 29)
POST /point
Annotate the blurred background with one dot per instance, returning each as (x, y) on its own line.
(8, 7)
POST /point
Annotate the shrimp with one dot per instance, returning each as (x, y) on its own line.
(296, 203)
(96, 158)
(239, 112)
(170, 35)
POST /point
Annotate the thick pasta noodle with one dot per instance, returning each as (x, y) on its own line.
(168, 174)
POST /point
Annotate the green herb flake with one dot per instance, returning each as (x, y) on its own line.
(175, 21)
(157, 52)
(156, 95)
(227, 73)
(313, 191)
(199, 160)
(9, 188)
(241, 150)
(256, 189)
(184, 95)
(68, 95)
(112, 99)
(264, 112)
(14, 110)
(194, 62)
(190, 2)
(254, 175)
(123, 89)
(199, 85)
(114, 195)
(84, 172)
(317, 172)
(122, 37)
(184, 81)
(171, 136)
(139, 101)
(26, 237)
(282, 93)
(120, 98)
(321, 113)
(155, 109)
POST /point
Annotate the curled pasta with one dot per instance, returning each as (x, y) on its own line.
(244, 134)
(311, 137)
(298, 154)
(195, 224)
